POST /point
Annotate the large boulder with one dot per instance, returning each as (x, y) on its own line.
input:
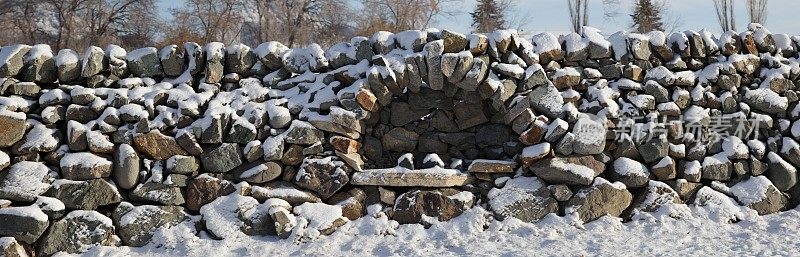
(126, 166)
(25, 224)
(204, 189)
(137, 224)
(12, 127)
(568, 170)
(758, 193)
(11, 59)
(221, 159)
(77, 232)
(524, 198)
(417, 205)
(84, 166)
(84, 195)
(630, 172)
(24, 181)
(157, 146)
(323, 176)
(600, 199)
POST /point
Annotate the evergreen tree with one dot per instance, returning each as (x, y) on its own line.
(646, 16)
(488, 16)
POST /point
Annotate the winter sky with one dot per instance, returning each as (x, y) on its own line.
(551, 15)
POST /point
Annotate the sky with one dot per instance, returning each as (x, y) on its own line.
(551, 15)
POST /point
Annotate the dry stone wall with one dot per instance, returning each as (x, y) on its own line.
(416, 125)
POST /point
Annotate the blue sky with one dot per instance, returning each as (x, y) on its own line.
(551, 15)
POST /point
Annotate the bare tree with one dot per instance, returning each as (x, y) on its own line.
(578, 14)
(297, 22)
(757, 10)
(725, 14)
(400, 15)
(214, 20)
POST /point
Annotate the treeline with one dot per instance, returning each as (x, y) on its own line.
(77, 24)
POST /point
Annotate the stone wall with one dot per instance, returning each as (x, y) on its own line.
(415, 124)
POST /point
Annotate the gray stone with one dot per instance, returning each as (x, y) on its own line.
(400, 140)
(654, 150)
(524, 198)
(215, 62)
(782, 174)
(221, 159)
(600, 199)
(717, 167)
(454, 42)
(137, 224)
(402, 114)
(568, 170)
(547, 100)
(181, 164)
(84, 166)
(13, 63)
(492, 166)
(92, 61)
(303, 133)
(77, 231)
(172, 60)
(158, 193)
(68, 65)
(25, 224)
(126, 166)
(404, 177)
(40, 65)
(84, 195)
(285, 191)
(259, 171)
(590, 136)
(657, 194)
(630, 172)
(665, 169)
(24, 181)
(239, 59)
(435, 50)
(769, 200)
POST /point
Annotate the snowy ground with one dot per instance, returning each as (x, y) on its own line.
(474, 235)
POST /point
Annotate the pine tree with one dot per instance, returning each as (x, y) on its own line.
(646, 16)
(488, 16)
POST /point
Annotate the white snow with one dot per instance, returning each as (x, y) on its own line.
(320, 216)
(545, 42)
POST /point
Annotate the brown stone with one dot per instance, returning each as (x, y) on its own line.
(534, 134)
(12, 128)
(352, 203)
(469, 115)
(204, 189)
(443, 204)
(367, 100)
(157, 146)
(344, 145)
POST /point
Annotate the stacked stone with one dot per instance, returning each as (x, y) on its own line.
(416, 124)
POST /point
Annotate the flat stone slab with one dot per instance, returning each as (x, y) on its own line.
(492, 166)
(404, 177)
